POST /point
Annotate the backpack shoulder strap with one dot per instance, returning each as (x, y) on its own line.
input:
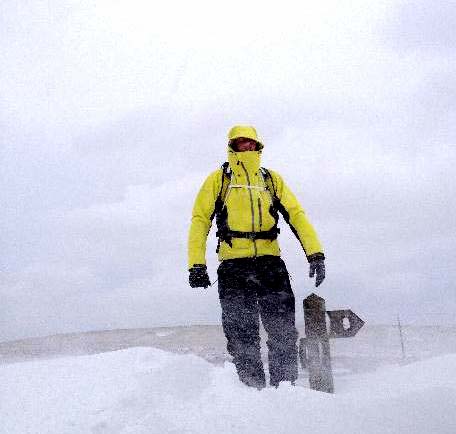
(269, 182)
(226, 179)
(225, 174)
(226, 169)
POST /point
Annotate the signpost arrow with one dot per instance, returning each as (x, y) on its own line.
(338, 329)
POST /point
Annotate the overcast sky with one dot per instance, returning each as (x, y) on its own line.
(112, 113)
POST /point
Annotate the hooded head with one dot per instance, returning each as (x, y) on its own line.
(245, 131)
(250, 159)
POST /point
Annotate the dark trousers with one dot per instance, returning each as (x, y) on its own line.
(250, 289)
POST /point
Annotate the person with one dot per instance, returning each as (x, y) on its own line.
(253, 281)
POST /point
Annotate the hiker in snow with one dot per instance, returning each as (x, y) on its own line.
(253, 281)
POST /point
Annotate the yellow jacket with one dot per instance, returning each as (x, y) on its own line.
(248, 205)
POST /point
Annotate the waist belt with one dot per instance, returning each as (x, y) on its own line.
(226, 235)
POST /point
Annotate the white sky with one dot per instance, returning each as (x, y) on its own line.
(113, 112)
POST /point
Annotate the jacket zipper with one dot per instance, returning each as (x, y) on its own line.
(259, 213)
(251, 206)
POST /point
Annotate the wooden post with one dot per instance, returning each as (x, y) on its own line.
(400, 335)
(318, 355)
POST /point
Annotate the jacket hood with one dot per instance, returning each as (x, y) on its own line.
(246, 131)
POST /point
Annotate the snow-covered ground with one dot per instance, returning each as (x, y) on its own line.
(140, 389)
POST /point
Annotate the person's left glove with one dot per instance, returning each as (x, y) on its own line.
(198, 277)
(317, 266)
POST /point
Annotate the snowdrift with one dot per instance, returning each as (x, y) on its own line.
(146, 390)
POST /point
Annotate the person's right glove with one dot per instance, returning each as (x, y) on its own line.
(317, 265)
(198, 277)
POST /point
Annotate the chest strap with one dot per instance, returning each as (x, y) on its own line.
(248, 187)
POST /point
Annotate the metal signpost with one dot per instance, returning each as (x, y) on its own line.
(314, 349)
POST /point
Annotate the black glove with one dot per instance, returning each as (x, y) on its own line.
(198, 277)
(317, 265)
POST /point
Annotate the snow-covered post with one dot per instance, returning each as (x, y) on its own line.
(400, 335)
(314, 348)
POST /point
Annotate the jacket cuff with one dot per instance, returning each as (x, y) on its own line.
(319, 256)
